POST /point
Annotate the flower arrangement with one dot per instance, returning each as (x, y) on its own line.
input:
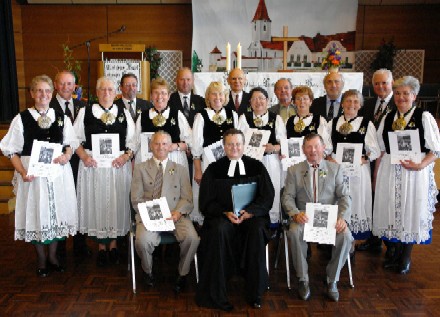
(333, 58)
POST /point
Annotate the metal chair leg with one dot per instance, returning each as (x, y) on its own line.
(133, 268)
(196, 263)
(286, 252)
(349, 271)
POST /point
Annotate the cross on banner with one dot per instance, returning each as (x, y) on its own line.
(285, 38)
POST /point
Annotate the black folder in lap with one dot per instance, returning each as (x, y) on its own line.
(242, 196)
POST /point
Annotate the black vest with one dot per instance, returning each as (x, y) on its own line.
(270, 126)
(353, 137)
(414, 123)
(212, 132)
(171, 124)
(31, 131)
(93, 125)
(311, 128)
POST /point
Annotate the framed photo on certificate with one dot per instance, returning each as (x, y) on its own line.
(155, 215)
(321, 227)
(105, 148)
(292, 150)
(405, 145)
(350, 155)
(42, 156)
(145, 139)
(255, 141)
(214, 151)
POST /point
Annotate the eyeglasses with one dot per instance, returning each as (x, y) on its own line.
(305, 98)
(261, 98)
(134, 85)
(106, 89)
(231, 145)
(42, 91)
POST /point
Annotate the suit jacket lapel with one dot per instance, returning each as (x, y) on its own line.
(321, 179)
(167, 175)
(307, 179)
(151, 168)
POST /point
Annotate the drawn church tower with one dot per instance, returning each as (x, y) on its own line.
(261, 31)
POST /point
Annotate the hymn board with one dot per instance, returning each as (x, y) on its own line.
(119, 59)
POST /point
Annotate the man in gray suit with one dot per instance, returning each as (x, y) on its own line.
(285, 108)
(129, 88)
(320, 181)
(176, 189)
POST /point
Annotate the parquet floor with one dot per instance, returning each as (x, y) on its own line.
(85, 290)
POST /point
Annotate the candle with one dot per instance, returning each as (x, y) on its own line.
(228, 57)
(239, 55)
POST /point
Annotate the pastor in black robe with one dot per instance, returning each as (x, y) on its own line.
(226, 248)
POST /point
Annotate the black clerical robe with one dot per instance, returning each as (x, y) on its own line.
(226, 248)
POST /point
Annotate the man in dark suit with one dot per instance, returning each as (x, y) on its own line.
(239, 100)
(63, 102)
(129, 87)
(174, 185)
(319, 181)
(329, 106)
(184, 99)
(375, 109)
(285, 108)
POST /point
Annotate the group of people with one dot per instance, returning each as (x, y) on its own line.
(99, 202)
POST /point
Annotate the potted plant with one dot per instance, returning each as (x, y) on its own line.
(385, 56)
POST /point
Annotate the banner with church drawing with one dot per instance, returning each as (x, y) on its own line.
(261, 27)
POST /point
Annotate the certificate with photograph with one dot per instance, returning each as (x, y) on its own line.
(350, 156)
(145, 139)
(214, 151)
(321, 227)
(41, 161)
(405, 145)
(292, 151)
(105, 148)
(255, 141)
(156, 215)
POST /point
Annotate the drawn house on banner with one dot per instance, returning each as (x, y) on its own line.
(267, 55)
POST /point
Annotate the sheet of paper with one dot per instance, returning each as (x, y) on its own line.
(405, 145)
(105, 148)
(255, 141)
(145, 139)
(41, 161)
(321, 227)
(292, 151)
(155, 215)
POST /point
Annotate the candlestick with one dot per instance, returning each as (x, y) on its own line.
(228, 57)
(239, 55)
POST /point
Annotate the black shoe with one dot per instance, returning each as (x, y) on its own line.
(389, 254)
(149, 279)
(56, 267)
(372, 245)
(82, 252)
(101, 260)
(304, 290)
(226, 307)
(332, 291)
(180, 284)
(114, 256)
(44, 272)
(257, 302)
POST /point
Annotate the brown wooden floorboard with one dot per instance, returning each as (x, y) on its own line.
(85, 290)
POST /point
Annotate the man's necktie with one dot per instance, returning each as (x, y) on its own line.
(237, 103)
(331, 110)
(315, 169)
(130, 108)
(379, 113)
(158, 180)
(185, 106)
(68, 112)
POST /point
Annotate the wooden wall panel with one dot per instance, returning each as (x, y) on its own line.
(166, 27)
(412, 27)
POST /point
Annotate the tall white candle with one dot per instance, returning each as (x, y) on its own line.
(239, 55)
(228, 57)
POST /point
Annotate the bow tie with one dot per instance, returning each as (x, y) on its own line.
(233, 165)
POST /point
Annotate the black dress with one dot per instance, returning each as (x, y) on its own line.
(226, 248)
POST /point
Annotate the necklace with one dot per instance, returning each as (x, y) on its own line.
(43, 120)
(107, 117)
(258, 120)
(217, 118)
(346, 127)
(400, 122)
(300, 125)
(159, 120)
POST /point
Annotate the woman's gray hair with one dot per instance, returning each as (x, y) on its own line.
(353, 92)
(103, 79)
(410, 81)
